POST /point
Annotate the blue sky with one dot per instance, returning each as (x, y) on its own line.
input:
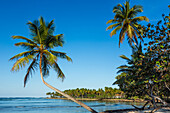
(83, 22)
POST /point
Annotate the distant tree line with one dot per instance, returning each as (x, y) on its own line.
(108, 93)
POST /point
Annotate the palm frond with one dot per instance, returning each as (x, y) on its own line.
(122, 8)
(50, 24)
(124, 57)
(137, 31)
(129, 32)
(134, 11)
(26, 45)
(122, 33)
(124, 70)
(130, 41)
(117, 11)
(140, 18)
(59, 39)
(122, 67)
(115, 30)
(34, 28)
(51, 27)
(127, 6)
(61, 55)
(138, 8)
(26, 53)
(135, 37)
(131, 36)
(43, 29)
(21, 62)
(119, 17)
(42, 21)
(31, 69)
(54, 41)
(51, 58)
(113, 25)
(45, 66)
(60, 74)
(21, 37)
(110, 21)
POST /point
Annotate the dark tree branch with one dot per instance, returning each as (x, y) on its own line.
(167, 86)
(142, 108)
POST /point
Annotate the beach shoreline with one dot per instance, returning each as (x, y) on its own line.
(161, 110)
(109, 100)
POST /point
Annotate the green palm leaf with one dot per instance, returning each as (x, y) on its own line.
(122, 33)
(21, 37)
(54, 41)
(110, 21)
(61, 55)
(22, 62)
(113, 25)
(45, 66)
(51, 27)
(140, 18)
(124, 57)
(115, 30)
(122, 67)
(58, 70)
(30, 69)
(27, 45)
(124, 70)
(51, 58)
(23, 54)
(35, 31)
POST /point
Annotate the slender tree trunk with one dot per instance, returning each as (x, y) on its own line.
(60, 92)
(153, 99)
(167, 86)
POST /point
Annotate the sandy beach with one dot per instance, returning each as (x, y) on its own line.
(162, 110)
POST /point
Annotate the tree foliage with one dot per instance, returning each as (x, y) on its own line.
(42, 41)
(127, 23)
(147, 73)
(108, 92)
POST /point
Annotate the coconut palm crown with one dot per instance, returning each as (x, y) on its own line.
(126, 22)
(41, 43)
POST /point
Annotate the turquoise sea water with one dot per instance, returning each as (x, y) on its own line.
(42, 105)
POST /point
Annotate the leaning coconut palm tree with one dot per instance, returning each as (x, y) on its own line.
(126, 21)
(39, 52)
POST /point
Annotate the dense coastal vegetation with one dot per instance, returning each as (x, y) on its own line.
(147, 72)
(106, 93)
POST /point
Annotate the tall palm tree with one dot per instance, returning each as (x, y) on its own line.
(126, 21)
(40, 53)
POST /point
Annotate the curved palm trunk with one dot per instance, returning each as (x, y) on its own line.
(60, 92)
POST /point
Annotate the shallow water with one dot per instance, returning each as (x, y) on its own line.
(42, 105)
